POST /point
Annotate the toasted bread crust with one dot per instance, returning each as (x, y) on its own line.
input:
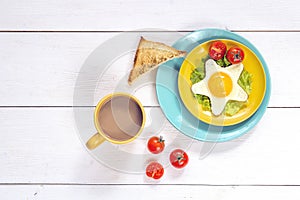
(149, 55)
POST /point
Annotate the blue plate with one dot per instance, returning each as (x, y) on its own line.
(174, 109)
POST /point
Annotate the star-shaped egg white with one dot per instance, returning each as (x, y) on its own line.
(218, 103)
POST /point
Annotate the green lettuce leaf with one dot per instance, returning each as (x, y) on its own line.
(223, 62)
(204, 101)
(232, 107)
(245, 81)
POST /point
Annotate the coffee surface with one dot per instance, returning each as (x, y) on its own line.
(120, 118)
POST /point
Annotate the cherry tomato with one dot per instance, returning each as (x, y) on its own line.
(179, 158)
(217, 50)
(156, 144)
(235, 55)
(155, 170)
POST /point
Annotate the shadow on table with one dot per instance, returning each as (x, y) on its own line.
(205, 149)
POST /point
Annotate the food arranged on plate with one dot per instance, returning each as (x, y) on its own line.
(149, 55)
(220, 81)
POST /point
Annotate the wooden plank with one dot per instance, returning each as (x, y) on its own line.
(40, 69)
(133, 14)
(41, 145)
(47, 192)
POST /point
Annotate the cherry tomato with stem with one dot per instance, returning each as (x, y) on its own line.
(156, 144)
(179, 158)
(235, 55)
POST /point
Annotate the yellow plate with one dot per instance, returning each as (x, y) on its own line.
(251, 64)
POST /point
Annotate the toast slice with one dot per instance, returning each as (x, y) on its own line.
(149, 55)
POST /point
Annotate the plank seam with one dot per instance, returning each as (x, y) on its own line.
(140, 31)
(270, 107)
(146, 184)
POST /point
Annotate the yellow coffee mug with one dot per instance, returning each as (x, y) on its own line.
(119, 118)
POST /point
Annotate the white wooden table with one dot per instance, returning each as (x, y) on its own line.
(43, 45)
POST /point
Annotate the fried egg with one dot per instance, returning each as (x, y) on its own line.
(220, 85)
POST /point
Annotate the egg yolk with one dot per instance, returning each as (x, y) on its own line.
(220, 84)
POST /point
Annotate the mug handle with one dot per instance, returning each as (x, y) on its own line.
(94, 141)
